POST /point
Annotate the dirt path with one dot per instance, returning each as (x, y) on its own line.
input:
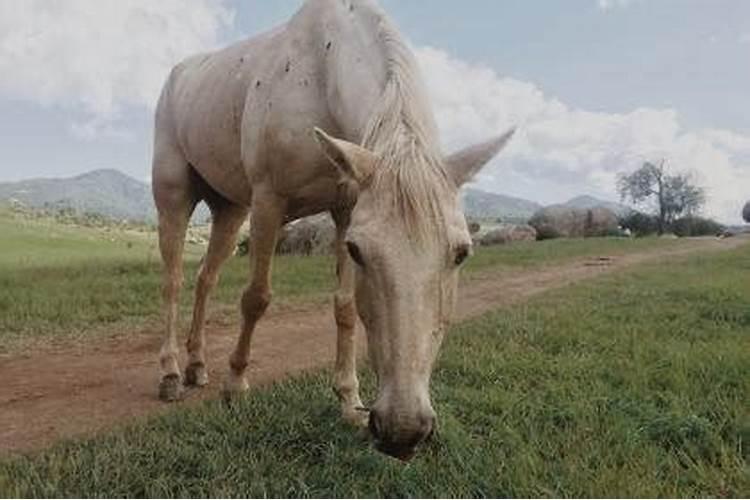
(56, 393)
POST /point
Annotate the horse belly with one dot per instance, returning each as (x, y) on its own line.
(208, 106)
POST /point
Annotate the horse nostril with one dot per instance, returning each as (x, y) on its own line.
(427, 424)
(374, 424)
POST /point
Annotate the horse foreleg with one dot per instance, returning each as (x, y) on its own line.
(267, 215)
(345, 382)
(227, 220)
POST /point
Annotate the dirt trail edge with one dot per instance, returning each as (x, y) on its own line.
(47, 395)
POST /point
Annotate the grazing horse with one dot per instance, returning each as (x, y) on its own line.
(243, 129)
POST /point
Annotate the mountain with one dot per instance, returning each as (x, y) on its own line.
(591, 202)
(113, 194)
(106, 192)
(482, 205)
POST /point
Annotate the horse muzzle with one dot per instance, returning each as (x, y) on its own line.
(400, 441)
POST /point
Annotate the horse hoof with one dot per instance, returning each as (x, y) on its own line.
(170, 388)
(196, 375)
(234, 388)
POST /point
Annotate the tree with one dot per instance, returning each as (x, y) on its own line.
(673, 195)
(746, 212)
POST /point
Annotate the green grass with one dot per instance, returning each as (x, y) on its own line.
(629, 385)
(60, 282)
(536, 253)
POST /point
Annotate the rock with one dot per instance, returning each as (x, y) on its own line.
(313, 235)
(194, 238)
(558, 221)
(508, 233)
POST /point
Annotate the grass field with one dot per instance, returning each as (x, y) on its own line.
(60, 281)
(635, 384)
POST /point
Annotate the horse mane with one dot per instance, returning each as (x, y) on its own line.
(403, 135)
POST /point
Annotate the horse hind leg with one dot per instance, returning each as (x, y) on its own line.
(227, 220)
(175, 202)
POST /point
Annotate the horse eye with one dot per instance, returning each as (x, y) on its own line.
(461, 254)
(355, 254)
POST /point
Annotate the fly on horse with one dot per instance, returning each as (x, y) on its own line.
(325, 113)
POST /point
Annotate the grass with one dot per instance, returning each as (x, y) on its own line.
(528, 254)
(631, 385)
(58, 282)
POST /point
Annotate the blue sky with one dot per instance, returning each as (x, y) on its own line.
(597, 85)
(682, 54)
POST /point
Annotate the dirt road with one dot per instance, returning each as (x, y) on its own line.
(55, 393)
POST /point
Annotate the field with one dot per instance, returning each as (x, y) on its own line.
(58, 282)
(631, 383)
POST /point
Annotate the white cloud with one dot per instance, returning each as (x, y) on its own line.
(97, 57)
(613, 4)
(560, 152)
(94, 129)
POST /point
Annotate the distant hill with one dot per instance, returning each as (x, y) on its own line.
(482, 205)
(105, 192)
(591, 202)
(115, 195)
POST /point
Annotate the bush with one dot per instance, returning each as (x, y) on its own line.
(640, 224)
(243, 247)
(696, 226)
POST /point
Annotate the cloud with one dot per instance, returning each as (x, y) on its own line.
(560, 152)
(744, 37)
(96, 58)
(613, 4)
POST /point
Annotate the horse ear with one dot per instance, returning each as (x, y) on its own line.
(464, 164)
(353, 161)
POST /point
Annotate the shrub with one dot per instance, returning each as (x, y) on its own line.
(640, 224)
(243, 247)
(696, 226)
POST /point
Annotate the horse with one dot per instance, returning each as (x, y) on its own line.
(326, 113)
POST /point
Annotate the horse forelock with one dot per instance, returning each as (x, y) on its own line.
(410, 176)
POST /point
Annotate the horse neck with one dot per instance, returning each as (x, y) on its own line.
(360, 74)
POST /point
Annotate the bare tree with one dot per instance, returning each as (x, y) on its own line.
(673, 195)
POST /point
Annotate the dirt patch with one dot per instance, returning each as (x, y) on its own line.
(54, 393)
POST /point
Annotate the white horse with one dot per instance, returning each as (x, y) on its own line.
(237, 129)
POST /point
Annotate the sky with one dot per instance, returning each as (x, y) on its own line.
(595, 87)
